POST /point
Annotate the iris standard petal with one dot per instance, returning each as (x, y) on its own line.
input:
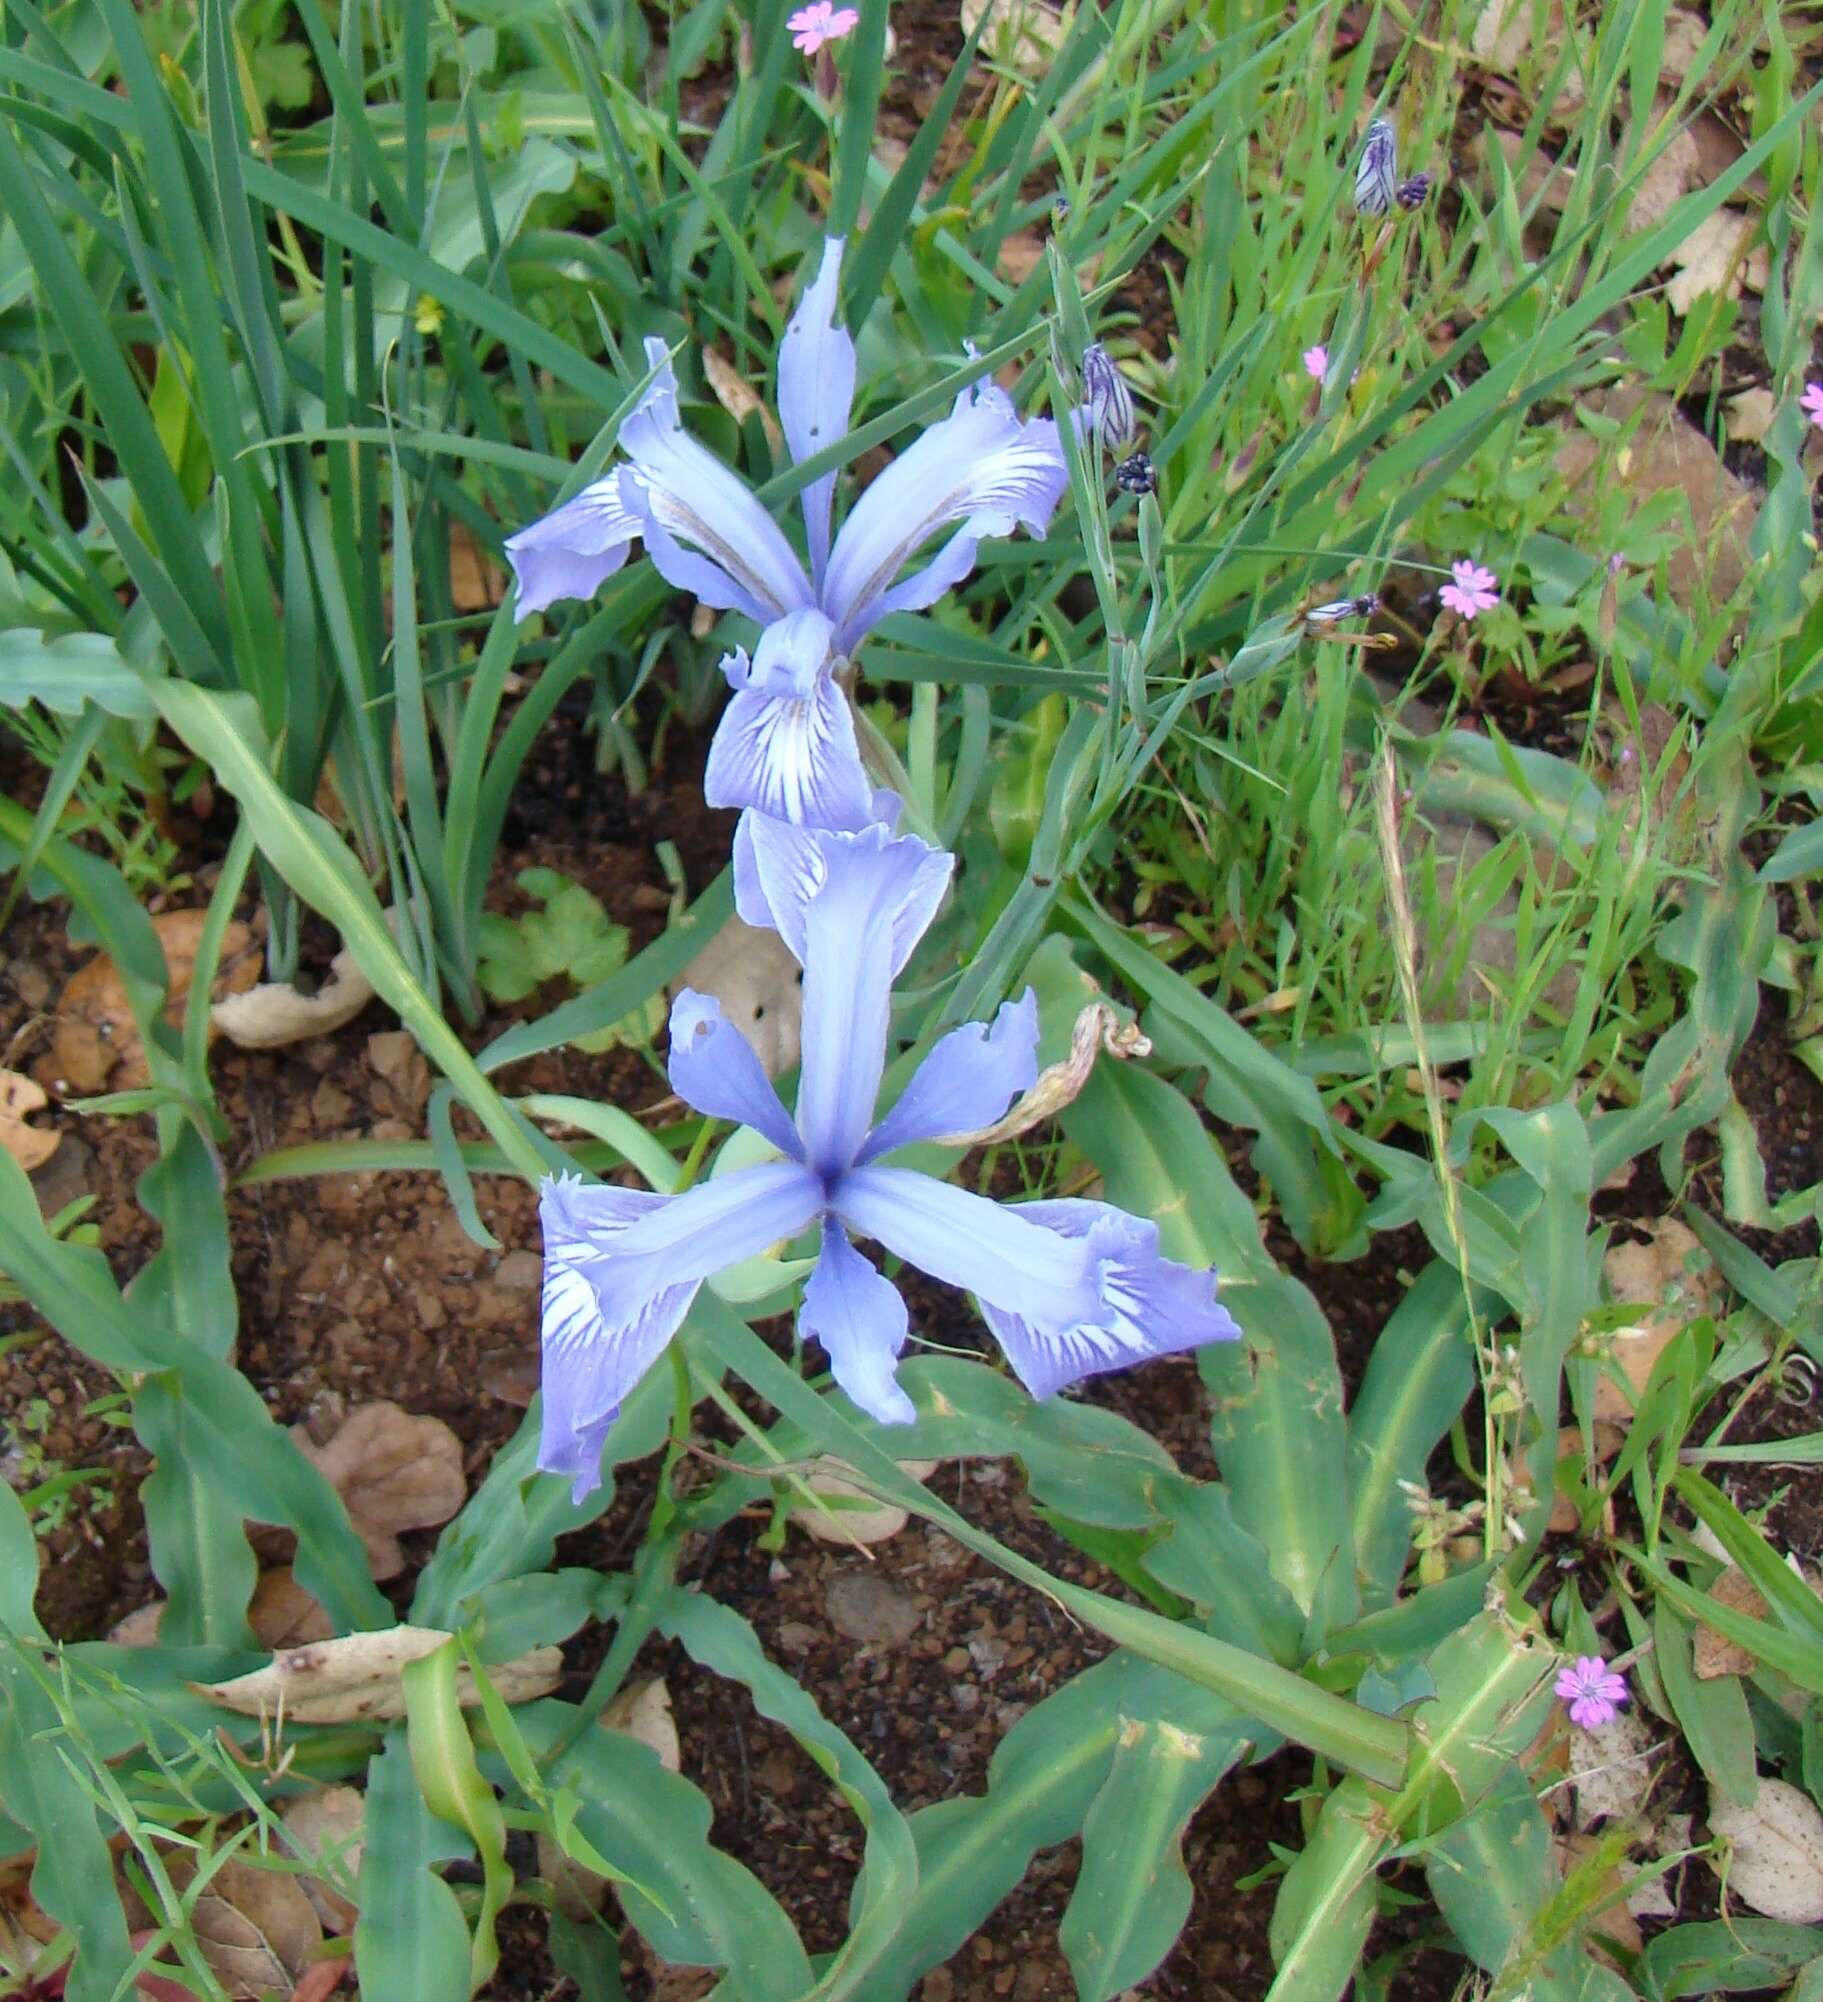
(1145, 1304)
(967, 1080)
(816, 392)
(574, 549)
(779, 869)
(793, 758)
(980, 465)
(714, 1068)
(860, 1319)
(590, 1364)
(716, 1224)
(682, 493)
(996, 1252)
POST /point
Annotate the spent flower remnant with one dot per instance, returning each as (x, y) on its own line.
(1592, 1691)
(811, 27)
(1811, 403)
(1108, 401)
(1471, 589)
(786, 743)
(1377, 174)
(1070, 1288)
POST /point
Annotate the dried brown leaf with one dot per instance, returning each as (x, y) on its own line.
(872, 1522)
(256, 1928)
(1660, 452)
(1716, 257)
(325, 1829)
(1776, 1865)
(1714, 1654)
(95, 1041)
(751, 972)
(281, 1613)
(1750, 415)
(30, 1146)
(475, 584)
(275, 1013)
(738, 396)
(1666, 181)
(355, 1679)
(643, 1711)
(393, 1472)
(1671, 1277)
(1024, 34)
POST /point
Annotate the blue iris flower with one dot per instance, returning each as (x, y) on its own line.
(1069, 1288)
(786, 744)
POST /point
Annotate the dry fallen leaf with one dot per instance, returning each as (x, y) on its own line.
(275, 1013)
(738, 396)
(873, 1522)
(1610, 1767)
(30, 1146)
(1026, 34)
(1541, 174)
(1750, 415)
(393, 1472)
(1777, 1861)
(281, 1613)
(643, 1711)
(1714, 257)
(1714, 1654)
(356, 1679)
(95, 1040)
(256, 1928)
(751, 972)
(329, 1824)
(1661, 452)
(1671, 1276)
(1673, 172)
(474, 583)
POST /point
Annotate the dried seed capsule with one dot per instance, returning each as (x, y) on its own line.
(1136, 475)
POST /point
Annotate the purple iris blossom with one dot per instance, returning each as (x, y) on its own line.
(786, 743)
(1070, 1288)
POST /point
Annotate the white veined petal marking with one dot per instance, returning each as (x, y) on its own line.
(684, 522)
(1377, 177)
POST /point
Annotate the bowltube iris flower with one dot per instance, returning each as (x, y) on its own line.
(1070, 1288)
(786, 744)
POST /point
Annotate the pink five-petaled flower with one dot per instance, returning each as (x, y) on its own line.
(1593, 1691)
(1811, 403)
(821, 22)
(1316, 363)
(1471, 589)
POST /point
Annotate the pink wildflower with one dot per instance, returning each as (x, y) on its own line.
(1316, 363)
(1471, 589)
(1811, 403)
(1593, 1691)
(821, 22)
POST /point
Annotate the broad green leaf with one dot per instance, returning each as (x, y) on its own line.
(65, 672)
(1493, 1872)
(1712, 1713)
(1132, 1893)
(410, 1938)
(1325, 1907)
(1277, 1393)
(723, 1642)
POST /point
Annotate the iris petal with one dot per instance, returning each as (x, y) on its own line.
(981, 465)
(714, 1068)
(816, 391)
(589, 1364)
(682, 493)
(1145, 1305)
(967, 1081)
(860, 1320)
(996, 1252)
(573, 550)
